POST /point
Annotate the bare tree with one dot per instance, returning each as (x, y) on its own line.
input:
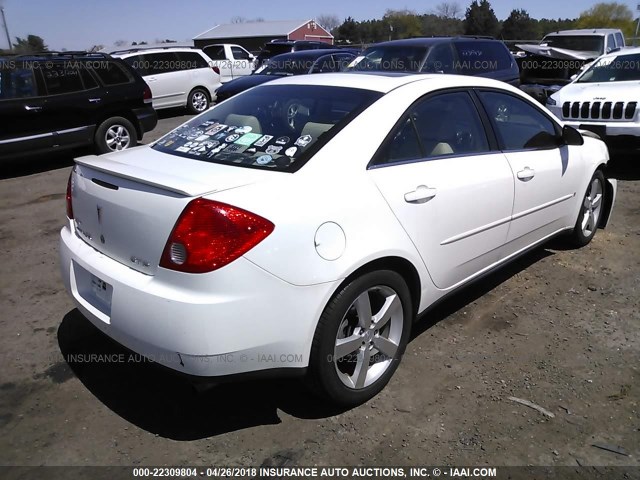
(328, 21)
(449, 10)
(238, 19)
(96, 48)
(121, 43)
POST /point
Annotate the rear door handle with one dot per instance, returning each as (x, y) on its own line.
(95, 100)
(421, 194)
(526, 174)
(30, 108)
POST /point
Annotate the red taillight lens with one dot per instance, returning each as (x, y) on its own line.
(69, 202)
(216, 69)
(209, 235)
(147, 96)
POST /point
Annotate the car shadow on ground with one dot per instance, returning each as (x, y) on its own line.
(450, 304)
(30, 165)
(168, 405)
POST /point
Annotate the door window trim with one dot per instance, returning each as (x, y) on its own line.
(484, 120)
(554, 122)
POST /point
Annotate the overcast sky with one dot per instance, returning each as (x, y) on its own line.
(79, 24)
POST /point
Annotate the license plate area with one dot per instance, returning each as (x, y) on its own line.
(94, 290)
(600, 130)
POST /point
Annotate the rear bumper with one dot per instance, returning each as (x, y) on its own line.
(232, 321)
(147, 119)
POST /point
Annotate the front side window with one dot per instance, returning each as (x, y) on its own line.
(518, 124)
(239, 53)
(159, 63)
(621, 68)
(17, 83)
(59, 79)
(447, 124)
(275, 127)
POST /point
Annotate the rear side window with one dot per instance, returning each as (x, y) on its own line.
(215, 52)
(59, 79)
(479, 56)
(518, 124)
(619, 40)
(440, 59)
(17, 83)
(110, 73)
(438, 126)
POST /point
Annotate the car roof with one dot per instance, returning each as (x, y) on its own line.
(428, 41)
(390, 81)
(583, 31)
(127, 52)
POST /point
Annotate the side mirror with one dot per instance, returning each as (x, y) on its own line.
(571, 136)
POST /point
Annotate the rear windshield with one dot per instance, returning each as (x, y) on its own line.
(480, 57)
(277, 127)
(271, 49)
(390, 58)
(580, 43)
(622, 68)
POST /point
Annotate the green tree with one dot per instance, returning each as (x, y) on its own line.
(608, 15)
(441, 26)
(520, 26)
(348, 31)
(404, 23)
(31, 44)
(480, 19)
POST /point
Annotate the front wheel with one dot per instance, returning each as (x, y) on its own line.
(360, 338)
(590, 211)
(198, 101)
(115, 134)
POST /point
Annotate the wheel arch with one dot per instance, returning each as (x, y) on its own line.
(124, 114)
(610, 185)
(401, 266)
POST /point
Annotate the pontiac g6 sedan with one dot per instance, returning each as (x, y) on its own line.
(301, 226)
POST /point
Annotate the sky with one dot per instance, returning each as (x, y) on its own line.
(80, 24)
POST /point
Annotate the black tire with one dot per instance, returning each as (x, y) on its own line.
(324, 378)
(115, 134)
(581, 236)
(198, 101)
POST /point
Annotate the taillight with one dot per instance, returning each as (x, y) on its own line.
(147, 96)
(216, 69)
(69, 202)
(209, 235)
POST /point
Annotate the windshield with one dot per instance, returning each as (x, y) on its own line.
(579, 43)
(622, 68)
(276, 127)
(390, 59)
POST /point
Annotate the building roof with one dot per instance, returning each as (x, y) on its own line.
(253, 29)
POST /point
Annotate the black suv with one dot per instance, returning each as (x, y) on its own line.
(479, 56)
(64, 100)
(278, 47)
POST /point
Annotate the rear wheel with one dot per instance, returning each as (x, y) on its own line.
(198, 101)
(590, 211)
(360, 338)
(115, 134)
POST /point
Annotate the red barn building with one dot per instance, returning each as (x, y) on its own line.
(253, 35)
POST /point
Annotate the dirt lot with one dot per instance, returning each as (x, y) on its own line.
(560, 328)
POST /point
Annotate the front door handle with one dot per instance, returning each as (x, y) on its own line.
(526, 174)
(30, 108)
(95, 100)
(421, 194)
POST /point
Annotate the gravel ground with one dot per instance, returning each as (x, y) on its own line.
(560, 328)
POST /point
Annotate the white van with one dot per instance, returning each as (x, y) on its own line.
(177, 76)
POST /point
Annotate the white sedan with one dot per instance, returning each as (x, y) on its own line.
(302, 226)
